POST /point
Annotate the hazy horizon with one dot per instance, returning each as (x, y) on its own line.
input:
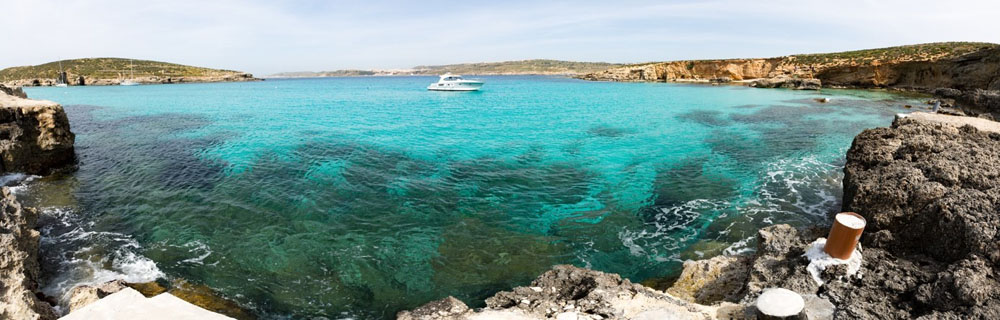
(307, 35)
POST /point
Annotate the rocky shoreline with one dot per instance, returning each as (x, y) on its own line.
(35, 138)
(972, 79)
(91, 81)
(929, 187)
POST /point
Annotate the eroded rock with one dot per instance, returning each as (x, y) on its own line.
(721, 278)
(19, 269)
(568, 292)
(35, 136)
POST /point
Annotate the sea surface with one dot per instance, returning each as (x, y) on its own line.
(360, 197)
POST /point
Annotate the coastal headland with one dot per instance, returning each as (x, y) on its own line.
(113, 71)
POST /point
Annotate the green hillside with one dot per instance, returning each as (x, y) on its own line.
(925, 51)
(108, 68)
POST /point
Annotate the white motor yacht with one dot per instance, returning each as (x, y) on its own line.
(452, 82)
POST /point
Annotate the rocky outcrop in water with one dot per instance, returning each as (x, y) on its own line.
(19, 269)
(13, 91)
(788, 83)
(35, 136)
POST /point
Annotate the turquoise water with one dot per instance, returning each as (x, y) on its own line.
(359, 197)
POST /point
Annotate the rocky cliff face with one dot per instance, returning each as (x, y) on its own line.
(35, 137)
(733, 69)
(979, 69)
(19, 268)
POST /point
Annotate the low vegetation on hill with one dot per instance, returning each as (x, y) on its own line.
(916, 52)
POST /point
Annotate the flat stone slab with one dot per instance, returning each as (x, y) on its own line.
(129, 304)
(957, 121)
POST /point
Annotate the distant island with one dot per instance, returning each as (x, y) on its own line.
(521, 67)
(112, 71)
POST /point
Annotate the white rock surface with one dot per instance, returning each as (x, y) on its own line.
(819, 260)
(778, 302)
(129, 304)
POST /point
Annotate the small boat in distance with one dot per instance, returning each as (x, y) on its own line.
(131, 81)
(453, 82)
(61, 81)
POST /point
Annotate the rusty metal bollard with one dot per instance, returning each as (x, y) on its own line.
(844, 235)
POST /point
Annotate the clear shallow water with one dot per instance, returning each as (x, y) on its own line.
(359, 197)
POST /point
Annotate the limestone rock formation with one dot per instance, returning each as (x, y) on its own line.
(918, 178)
(83, 295)
(13, 91)
(568, 292)
(972, 68)
(709, 281)
(929, 190)
(35, 136)
(19, 269)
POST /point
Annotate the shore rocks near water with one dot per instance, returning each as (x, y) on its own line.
(929, 187)
(788, 83)
(35, 135)
(19, 268)
(983, 100)
(13, 91)
(91, 81)
(568, 292)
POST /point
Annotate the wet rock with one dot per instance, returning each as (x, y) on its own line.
(35, 136)
(208, 299)
(19, 269)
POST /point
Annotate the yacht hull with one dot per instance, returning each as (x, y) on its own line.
(465, 86)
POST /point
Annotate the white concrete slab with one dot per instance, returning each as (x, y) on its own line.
(130, 304)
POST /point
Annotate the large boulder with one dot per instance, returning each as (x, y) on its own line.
(927, 188)
(19, 269)
(35, 137)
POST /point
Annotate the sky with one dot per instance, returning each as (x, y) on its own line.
(269, 36)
